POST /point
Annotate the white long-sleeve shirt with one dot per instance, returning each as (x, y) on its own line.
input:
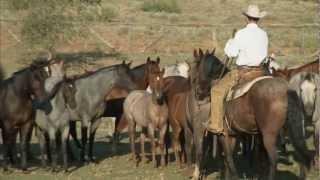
(249, 46)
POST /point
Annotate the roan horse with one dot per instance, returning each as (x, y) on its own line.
(263, 110)
(90, 99)
(114, 100)
(307, 86)
(57, 121)
(150, 112)
(17, 94)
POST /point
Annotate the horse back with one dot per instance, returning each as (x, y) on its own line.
(263, 107)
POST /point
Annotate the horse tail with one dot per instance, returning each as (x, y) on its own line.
(295, 127)
(2, 74)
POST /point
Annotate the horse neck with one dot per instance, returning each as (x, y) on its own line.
(139, 77)
(100, 82)
(21, 83)
(58, 101)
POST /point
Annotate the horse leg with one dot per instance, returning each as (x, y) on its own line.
(198, 141)
(176, 130)
(142, 140)
(269, 141)
(93, 130)
(64, 136)
(69, 148)
(316, 144)
(8, 138)
(30, 155)
(188, 145)
(132, 131)
(42, 142)
(153, 145)
(13, 148)
(163, 132)
(24, 133)
(73, 133)
(228, 145)
(53, 148)
(115, 137)
(84, 137)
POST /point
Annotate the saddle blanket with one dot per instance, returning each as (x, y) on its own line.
(240, 90)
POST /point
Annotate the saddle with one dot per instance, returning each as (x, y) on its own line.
(248, 76)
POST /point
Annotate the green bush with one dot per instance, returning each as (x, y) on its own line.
(48, 23)
(19, 4)
(170, 6)
(108, 13)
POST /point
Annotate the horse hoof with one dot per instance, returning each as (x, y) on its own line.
(163, 163)
(155, 165)
(93, 160)
(54, 170)
(26, 171)
(145, 160)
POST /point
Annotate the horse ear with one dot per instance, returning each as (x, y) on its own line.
(207, 52)
(123, 62)
(148, 60)
(162, 71)
(213, 51)
(158, 60)
(129, 64)
(195, 53)
(200, 52)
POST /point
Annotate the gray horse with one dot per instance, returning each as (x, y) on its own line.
(90, 98)
(150, 112)
(57, 121)
(307, 86)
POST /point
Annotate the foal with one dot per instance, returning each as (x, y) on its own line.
(150, 112)
(56, 121)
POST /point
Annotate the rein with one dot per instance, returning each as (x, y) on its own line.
(225, 65)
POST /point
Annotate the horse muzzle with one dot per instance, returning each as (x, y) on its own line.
(42, 105)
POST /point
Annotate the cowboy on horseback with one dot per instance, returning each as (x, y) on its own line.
(249, 46)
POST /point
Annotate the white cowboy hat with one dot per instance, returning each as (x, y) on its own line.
(254, 11)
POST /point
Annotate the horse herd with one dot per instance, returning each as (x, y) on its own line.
(177, 96)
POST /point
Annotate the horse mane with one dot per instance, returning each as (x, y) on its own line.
(304, 65)
(91, 73)
(36, 63)
(139, 66)
(2, 74)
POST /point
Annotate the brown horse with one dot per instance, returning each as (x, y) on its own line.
(150, 112)
(177, 91)
(288, 73)
(262, 110)
(17, 100)
(177, 88)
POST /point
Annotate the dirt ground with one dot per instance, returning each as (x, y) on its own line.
(119, 167)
